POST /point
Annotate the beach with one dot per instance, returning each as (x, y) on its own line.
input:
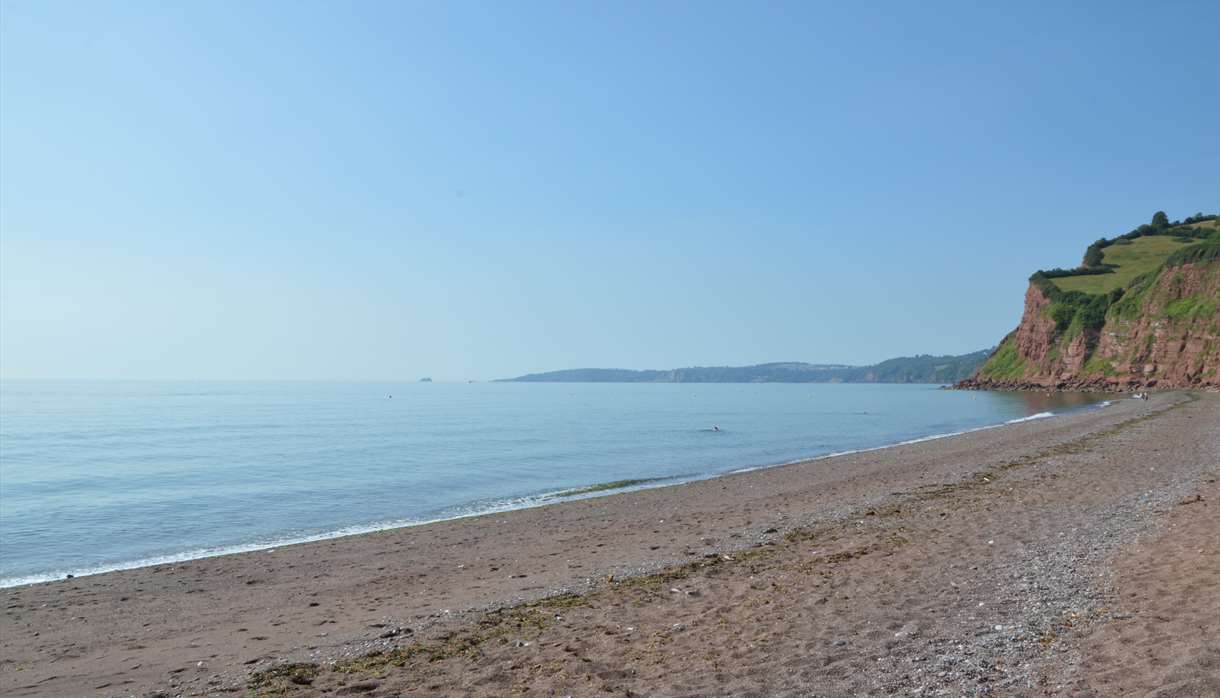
(1063, 556)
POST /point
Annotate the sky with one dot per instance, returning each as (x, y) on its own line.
(391, 190)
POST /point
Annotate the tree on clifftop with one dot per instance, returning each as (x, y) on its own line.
(1093, 255)
(1160, 220)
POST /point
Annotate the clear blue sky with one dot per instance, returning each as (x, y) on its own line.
(388, 190)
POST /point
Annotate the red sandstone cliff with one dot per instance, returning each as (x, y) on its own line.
(1163, 332)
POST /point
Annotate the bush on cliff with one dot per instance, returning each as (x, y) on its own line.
(1057, 273)
(1073, 309)
(1093, 255)
(1199, 218)
(1202, 252)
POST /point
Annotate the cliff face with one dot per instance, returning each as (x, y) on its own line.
(1163, 332)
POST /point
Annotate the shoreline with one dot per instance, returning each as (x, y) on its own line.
(876, 546)
(529, 501)
(1095, 386)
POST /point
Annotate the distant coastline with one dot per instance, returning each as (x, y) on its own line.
(923, 368)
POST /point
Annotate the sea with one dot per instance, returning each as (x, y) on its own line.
(106, 475)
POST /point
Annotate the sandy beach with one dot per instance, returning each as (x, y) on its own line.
(1067, 556)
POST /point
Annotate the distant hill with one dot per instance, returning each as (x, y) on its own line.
(908, 369)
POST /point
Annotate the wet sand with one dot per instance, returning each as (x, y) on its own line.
(994, 561)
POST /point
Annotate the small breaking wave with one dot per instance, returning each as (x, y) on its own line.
(604, 487)
(271, 544)
(1040, 415)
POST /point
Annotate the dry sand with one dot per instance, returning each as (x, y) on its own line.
(1165, 638)
(1049, 557)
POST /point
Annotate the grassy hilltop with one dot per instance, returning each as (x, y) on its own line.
(1127, 261)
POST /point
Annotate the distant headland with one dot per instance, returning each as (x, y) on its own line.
(923, 368)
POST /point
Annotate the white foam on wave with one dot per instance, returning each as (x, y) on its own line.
(1040, 415)
(195, 554)
(497, 507)
(268, 545)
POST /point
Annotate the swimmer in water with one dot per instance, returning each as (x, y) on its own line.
(715, 428)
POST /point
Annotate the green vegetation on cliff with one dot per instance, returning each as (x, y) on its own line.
(1006, 363)
(1192, 307)
(1202, 252)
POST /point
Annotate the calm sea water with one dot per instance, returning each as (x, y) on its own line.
(106, 475)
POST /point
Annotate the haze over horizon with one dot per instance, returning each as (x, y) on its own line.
(473, 191)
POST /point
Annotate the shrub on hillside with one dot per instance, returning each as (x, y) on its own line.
(1206, 251)
(1078, 271)
(1094, 254)
(1199, 218)
(1075, 308)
